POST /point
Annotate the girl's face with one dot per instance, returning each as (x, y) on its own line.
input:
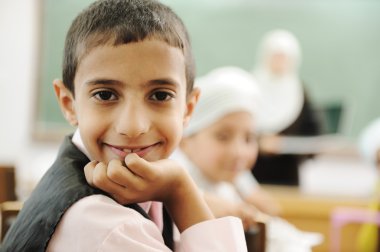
(224, 149)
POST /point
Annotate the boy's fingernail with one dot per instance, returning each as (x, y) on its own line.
(127, 156)
(130, 156)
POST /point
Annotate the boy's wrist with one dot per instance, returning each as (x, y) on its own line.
(182, 185)
(186, 204)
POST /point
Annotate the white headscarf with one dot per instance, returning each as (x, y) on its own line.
(223, 91)
(282, 96)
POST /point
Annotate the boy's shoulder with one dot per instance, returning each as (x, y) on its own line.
(95, 221)
(62, 185)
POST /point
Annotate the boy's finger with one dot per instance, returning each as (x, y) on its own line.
(120, 174)
(101, 180)
(116, 171)
(138, 166)
(99, 175)
(88, 171)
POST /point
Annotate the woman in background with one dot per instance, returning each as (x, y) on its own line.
(285, 108)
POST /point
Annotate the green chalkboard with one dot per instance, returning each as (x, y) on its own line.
(340, 42)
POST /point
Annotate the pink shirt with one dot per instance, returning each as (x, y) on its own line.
(98, 223)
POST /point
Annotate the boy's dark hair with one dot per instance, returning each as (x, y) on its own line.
(120, 22)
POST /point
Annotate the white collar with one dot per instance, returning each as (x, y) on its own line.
(77, 141)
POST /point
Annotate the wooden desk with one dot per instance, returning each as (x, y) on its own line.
(8, 213)
(312, 213)
(7, 183)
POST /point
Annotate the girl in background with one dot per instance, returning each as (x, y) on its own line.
(219, 148)
(220, 145)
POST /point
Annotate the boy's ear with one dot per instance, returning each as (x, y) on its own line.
(191, 102)
(66, 102)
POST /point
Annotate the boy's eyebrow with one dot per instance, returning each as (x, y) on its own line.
(162, 81)
(102, 81)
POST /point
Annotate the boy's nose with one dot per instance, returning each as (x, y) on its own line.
(133, 121)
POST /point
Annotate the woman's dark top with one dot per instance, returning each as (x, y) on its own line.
(283, 169)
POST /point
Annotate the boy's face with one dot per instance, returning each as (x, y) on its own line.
(129, 98)
(225, 148)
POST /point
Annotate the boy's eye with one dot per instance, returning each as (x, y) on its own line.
(105, 95)
(162, 96)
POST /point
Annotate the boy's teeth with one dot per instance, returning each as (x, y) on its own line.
(132, 150)
(136, 150)
(127, 150)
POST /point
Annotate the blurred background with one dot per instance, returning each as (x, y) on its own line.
(339, 40)
(340, 68)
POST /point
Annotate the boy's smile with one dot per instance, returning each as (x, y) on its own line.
(124, 151)
(129, 98)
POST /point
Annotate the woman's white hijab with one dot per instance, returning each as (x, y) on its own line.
(282, 95)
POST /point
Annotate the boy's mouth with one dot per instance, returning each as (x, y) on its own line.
(124, 151)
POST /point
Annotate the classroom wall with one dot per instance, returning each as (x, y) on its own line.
(340, 42)
(339, 39)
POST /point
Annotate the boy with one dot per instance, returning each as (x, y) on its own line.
(127, 86)
(218, 148)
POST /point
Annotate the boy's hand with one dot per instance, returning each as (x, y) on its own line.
(135, 181)
(140, 180)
